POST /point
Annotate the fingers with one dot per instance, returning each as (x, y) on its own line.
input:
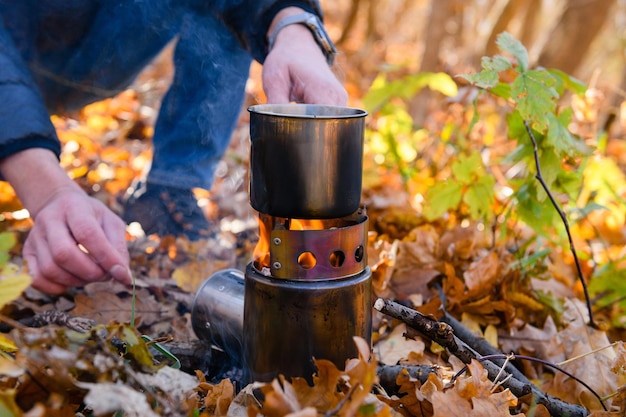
(277, 87)
(76, 240)
(106, 244)
(296, 70)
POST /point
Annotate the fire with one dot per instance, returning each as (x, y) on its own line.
(261, 253)
(306, 224)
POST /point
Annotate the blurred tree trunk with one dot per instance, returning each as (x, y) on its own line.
(525, 10)
(529, 28)
(441, 13)
(579, 24)
(510, 11)
(348, 26)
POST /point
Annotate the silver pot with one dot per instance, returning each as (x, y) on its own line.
(306, 161)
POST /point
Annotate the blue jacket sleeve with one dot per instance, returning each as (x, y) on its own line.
(24, 120)
(250, 19)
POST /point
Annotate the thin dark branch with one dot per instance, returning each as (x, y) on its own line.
(482, 347)
(541, 361)
(564, 220)
(443, 334)
(388, 374)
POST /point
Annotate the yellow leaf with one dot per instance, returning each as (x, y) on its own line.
(8, 406)
(7, 344)
(12, 284)
(9, 368)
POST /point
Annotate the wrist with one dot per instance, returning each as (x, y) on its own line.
(282, 14)
(294, 20)
(36, 177)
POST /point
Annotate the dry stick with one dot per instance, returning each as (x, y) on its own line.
(544, 363)
(442, 334)
(563, 219)
(388, 375)
(481, 346)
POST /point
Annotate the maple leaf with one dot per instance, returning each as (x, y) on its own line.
(396, 346)
(484, 272)
(218, 397)
(579, 341)
(472, 396)
(323, 394)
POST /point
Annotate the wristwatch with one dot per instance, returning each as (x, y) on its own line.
(316, 27)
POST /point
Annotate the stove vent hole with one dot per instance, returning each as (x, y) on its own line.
(307, 260)
(358, 253)
(337, 258)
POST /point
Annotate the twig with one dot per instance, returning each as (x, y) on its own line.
(443, 335)
(541, 361)
(388, 374)
(481, 346)
(558, 208)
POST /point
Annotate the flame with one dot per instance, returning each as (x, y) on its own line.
(306, 224)
(261, 253)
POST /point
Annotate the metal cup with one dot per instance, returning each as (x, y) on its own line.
(306, 161)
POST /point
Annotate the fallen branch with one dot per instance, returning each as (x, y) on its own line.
(443, 334)
(388, 374)
(482, 347)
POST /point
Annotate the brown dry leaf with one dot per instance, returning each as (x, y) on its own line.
(363, 375)
(450, 403)
(395, 347)
(190, 276)
(483, 273)
(416, 262)
(219, 397)
(461, 242)
(381, 257)
(104, 307)
(579, 340)
(542, 343)
(323, 394)
(472, 396)
(280, 399)
(415, 397)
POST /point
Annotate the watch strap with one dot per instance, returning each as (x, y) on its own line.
(313, 23)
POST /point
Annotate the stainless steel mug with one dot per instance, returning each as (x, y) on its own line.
(306, 161)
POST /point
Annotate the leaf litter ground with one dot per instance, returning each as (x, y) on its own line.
(60, 369)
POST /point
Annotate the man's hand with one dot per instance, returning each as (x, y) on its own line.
(75, 239)
(296, 70)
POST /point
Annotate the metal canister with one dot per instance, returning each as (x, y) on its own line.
(306, 161)
(289, 323)
(217, 311)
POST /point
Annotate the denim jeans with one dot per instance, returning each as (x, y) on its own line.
(81, 51)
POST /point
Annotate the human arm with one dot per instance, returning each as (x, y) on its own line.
(64, 217)
(296, 69)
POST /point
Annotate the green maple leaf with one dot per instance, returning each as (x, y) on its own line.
(467, 168)
(441, 198)
(479, 196)
(535, 97)
(507, 43)
(489, 76)
(562, 139)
